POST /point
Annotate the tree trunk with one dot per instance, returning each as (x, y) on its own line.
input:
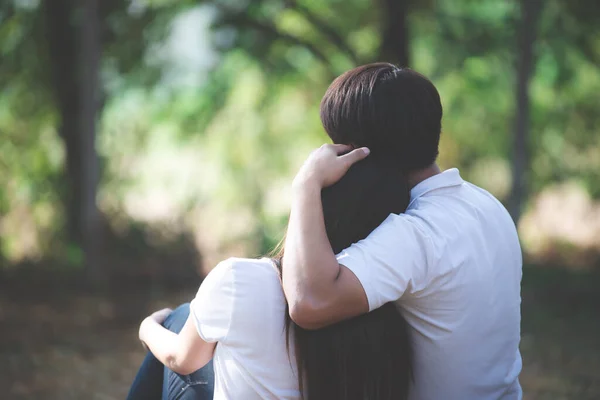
(530, 11)
(395, 41)
(72, 33)
(89, 59)
(61, 35)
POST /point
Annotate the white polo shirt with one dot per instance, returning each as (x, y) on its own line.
(453, 264)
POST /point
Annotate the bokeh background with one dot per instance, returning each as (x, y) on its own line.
(142, 141)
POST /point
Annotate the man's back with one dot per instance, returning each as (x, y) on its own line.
(456, 255)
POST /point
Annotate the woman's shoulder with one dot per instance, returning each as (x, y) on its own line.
(235, 281)
(248, 273)
(242, 265)
(253, 286)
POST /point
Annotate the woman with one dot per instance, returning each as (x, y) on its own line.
(239, 317)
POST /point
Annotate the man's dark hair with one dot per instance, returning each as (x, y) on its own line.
(396, 112)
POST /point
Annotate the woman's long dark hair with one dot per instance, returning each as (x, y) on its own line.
(367, 357)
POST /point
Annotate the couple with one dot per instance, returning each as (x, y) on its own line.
(398, 280)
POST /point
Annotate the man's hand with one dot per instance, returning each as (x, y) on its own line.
(328, 164)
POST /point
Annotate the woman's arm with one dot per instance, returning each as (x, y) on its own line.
(183, 353)
(208, 323)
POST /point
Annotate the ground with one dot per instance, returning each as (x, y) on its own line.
(68, 345)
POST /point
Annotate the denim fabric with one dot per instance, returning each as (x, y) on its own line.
(154, 381)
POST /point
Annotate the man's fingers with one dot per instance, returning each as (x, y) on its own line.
(341, 148)
(355, 156)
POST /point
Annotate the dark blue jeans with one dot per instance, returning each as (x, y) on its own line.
(154, 381)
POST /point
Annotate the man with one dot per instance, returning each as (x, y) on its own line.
(452, 262)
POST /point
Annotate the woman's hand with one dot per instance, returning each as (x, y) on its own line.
(327, 164)
(160, 315)
(157, 317)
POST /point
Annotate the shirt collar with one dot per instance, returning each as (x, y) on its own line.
(448, 178)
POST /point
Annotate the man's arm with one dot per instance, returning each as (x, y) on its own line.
(318, 289)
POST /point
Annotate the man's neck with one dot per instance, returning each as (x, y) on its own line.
(418, 176)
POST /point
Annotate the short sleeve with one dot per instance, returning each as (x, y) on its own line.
(391, 261)
(212, 308)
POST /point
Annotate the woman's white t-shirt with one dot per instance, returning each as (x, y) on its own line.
(241, 306)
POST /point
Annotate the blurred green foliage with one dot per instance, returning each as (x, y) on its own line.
(210, 107)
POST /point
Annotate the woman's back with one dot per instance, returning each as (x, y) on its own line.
(241, 306)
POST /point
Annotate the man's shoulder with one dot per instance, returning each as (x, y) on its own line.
(490, 205)
(446, 214)
(412, 231)
(409, 220)
(478, 190)
(439, 203)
